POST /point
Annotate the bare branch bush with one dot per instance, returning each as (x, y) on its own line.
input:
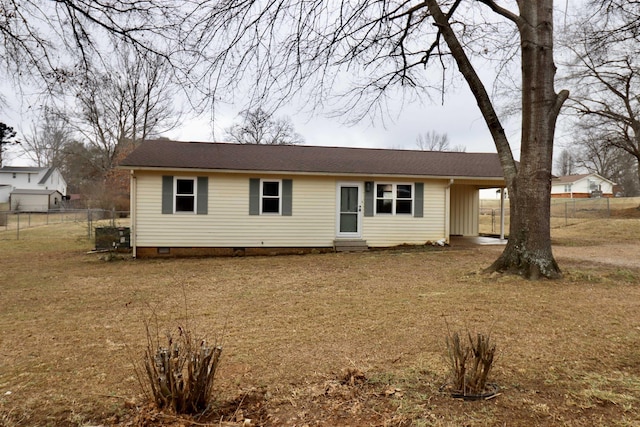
(178, 372)
(470, 361)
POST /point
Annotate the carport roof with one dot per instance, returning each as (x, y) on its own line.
(166, 154)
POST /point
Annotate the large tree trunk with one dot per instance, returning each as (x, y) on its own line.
(528, 251)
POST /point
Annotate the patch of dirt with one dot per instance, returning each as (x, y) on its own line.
(622, 255)
(626, 213)
(347, 399)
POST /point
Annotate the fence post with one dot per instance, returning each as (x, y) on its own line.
(493, 220)
(89, 223)
(18, 226)
(566, 214)
(608, 208)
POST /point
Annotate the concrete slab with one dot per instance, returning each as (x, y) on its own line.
(476, 241)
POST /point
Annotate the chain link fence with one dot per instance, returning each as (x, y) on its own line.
(564, 211)
(13, 223)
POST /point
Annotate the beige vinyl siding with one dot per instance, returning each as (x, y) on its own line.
(228, 223)
(392, 230)
(465, 210)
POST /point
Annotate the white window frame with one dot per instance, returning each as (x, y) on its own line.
(567, 188)
(279, 197)
(195, 194)
(394, 198)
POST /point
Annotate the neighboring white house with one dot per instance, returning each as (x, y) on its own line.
(224, 199)
(581, 186)
(21, 182)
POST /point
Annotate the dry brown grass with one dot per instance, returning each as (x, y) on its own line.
(291, 326)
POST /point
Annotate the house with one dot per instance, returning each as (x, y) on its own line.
(32, 188)
(581, 186)
(195, 198)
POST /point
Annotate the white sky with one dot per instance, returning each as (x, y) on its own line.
(459, 118)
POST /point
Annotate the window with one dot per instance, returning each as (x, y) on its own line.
(185, 196)
(14, 175)
(394, 199)
(270, 197)
(567, 188)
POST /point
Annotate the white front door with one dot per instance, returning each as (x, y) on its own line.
(349, 215)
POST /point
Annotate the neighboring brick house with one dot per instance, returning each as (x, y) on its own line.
(581, 186)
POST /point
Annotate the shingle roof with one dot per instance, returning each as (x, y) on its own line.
(11, 169)
(165, 154)
(569, 179)
(34, 192)
(46, 176)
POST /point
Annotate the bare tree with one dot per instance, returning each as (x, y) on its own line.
(565, 163)
(120, 106)
(595, 153)
(45, 142)
(53, 41)
(616, 21)
(434, 141)
(606, 74)
(78, 166)
(386, 45)
(7, 137)
(259, 127)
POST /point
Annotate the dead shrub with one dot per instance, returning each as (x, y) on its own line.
(180, 373)
(470, 361)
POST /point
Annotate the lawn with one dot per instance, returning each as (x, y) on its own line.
(332, 339)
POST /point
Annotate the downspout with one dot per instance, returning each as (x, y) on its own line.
(502, 213)
(447, 211)
(133, 196)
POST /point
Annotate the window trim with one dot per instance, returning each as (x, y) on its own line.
(279, 197)
(194, 195)
(394, 199)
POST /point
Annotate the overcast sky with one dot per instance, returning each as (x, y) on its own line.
(459, 118)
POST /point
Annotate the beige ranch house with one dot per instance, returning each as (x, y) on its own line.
(195, 198)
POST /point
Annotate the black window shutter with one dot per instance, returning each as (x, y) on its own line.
(418, 200)
(203, 195)
(368, 198)
(254, 196)
(167, 194)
